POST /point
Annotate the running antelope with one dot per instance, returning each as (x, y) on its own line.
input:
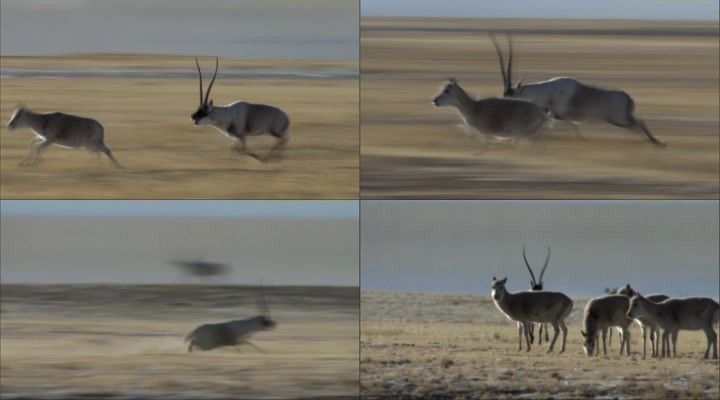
(672, 315)
(231, 333)
(533, 307)
(573, 101)
(644, 323)
(499, 119)
(537, 285)
(602, 314)
(61, 129)
(241, 119)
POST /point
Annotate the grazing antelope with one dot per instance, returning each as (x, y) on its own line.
(537, 285)
(231, 333)
(241, 119)
(645, 324)
(529, 307)
(500, 119)
(602, 314)
(672, 315)
(61, 129)
(573, 101)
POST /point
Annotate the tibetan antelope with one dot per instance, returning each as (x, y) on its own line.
(499, 119)
(241, 119)
(645, 324)
(537, 285)
(573, 101)
(601, 314)
(61, 129)
(672, 315)
(533, 307)
(231, 333)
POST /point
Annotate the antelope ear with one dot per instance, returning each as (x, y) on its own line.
(503, 280)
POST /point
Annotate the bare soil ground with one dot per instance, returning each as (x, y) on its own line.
(147, 125)
(410, 149)
(121, 342)
(460, 346)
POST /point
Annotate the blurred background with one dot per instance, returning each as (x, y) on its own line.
(458, 246)
(129, 64)
(664, 54)
(97, 296)
(284, 242)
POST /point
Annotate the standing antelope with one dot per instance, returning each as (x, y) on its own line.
(61, 129)
(602, 314)
(672, 315)
(494, 118)
(241, 119)
(537, 286)
(231, 333)
(644, 323)
(529, 307)
(573, 101)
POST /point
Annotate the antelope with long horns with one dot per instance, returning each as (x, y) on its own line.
(537, 285)
(231, 333)
(59, 129)
(533, 307)
(241, 119)
(499, 119)
(573, 101)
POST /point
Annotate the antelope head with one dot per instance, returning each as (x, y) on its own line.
(508, 89)
(536, 284)
(498, 288)
(627, 291)
(17, 118)
(200, 116)
(451, 94)
(637, 307)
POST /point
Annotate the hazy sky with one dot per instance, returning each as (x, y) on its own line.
(280, 242)
(307, 29)
(658, 246)
(600, 9)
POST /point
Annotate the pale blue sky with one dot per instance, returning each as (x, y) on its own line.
(457, 246)
(187, 208)
(594, 9)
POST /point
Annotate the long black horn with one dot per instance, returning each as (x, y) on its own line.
(200, 75)
(509, 66)
(527, 264)
(500, 58)
(207, 95)
(545, 266)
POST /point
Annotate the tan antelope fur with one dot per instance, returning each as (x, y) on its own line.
(673, 315)
(533, 307)
(64, 130)
(570, 100)
(645, 324)
(498, 119)
(601, 314)
(231, 333)
(241, 119)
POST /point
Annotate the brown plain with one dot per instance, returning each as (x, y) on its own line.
(147, 126)
(126, 342)
(411, 149)
(461, 346)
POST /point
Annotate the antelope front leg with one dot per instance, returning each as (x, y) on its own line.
(674, 342)
(556, 333)
(604, 334)
(520, 335)
(253, 345)
(32, 151)
(244, 149)
(278, 148)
